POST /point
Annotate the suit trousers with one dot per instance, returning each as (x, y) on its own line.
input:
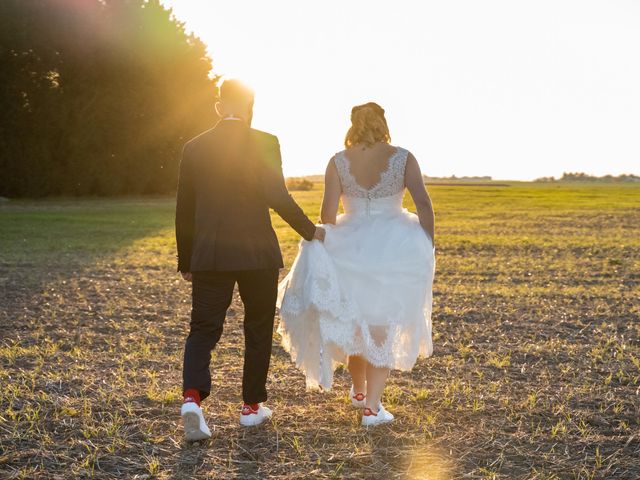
(211, 296)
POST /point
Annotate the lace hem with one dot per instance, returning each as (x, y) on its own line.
(320, 326)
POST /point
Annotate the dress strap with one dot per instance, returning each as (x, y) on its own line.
(401, 158)
(398, 167)
(342, 167)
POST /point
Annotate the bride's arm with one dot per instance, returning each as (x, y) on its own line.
(332, 191)
(415, 184)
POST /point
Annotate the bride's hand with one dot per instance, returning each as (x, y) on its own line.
(186, 275)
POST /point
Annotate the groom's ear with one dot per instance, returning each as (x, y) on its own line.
(219, 109)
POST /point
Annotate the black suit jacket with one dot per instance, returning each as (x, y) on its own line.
(229, 178)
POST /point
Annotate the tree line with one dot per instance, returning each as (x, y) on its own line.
(584, 177)
(97, 97)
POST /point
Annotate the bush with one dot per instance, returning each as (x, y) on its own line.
(299, 184)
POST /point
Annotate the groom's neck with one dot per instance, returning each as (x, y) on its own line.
(234, 117)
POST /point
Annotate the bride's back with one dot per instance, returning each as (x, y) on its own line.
(367, 164)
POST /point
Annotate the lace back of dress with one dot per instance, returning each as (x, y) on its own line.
(391, 180)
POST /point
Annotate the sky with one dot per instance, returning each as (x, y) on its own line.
(507, 88)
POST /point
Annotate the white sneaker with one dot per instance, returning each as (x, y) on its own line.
(357, 399)
(370, 419)
(195, 427)
(250, 417)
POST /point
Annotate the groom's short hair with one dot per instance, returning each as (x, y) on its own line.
(234, 91)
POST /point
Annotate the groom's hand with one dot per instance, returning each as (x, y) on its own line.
(187, 276)
(319, 234)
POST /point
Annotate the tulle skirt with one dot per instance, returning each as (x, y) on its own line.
(367, 290)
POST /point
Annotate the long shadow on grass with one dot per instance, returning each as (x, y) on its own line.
(45, 242)
(74, 233)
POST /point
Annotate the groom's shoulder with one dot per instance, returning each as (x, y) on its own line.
(201, 137)
(263, 136)
(267, 147)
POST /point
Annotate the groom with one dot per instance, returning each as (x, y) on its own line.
(230, 176)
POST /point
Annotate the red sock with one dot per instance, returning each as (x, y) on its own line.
(191, 395)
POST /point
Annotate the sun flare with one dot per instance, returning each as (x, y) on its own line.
(472, 88)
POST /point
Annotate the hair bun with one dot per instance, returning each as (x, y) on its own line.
(367, 108)
(368, 125)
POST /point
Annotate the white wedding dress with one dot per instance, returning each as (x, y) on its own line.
(367, 289)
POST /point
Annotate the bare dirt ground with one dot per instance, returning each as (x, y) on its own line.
(536, 372)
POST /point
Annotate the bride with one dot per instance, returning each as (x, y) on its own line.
(363, 297)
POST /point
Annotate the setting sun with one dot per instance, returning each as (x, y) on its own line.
(509, 89)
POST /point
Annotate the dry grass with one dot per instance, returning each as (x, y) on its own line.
(536, 372)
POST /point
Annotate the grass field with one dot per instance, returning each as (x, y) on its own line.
(536, 371)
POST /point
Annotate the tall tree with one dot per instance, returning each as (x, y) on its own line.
(97, 96)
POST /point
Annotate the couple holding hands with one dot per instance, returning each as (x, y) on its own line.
(359, 291)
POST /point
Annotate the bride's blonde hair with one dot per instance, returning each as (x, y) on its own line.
(368, 126)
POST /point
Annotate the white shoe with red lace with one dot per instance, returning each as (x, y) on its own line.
(370, 419)
(357, 399)
(250, 417)
(195, 426)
